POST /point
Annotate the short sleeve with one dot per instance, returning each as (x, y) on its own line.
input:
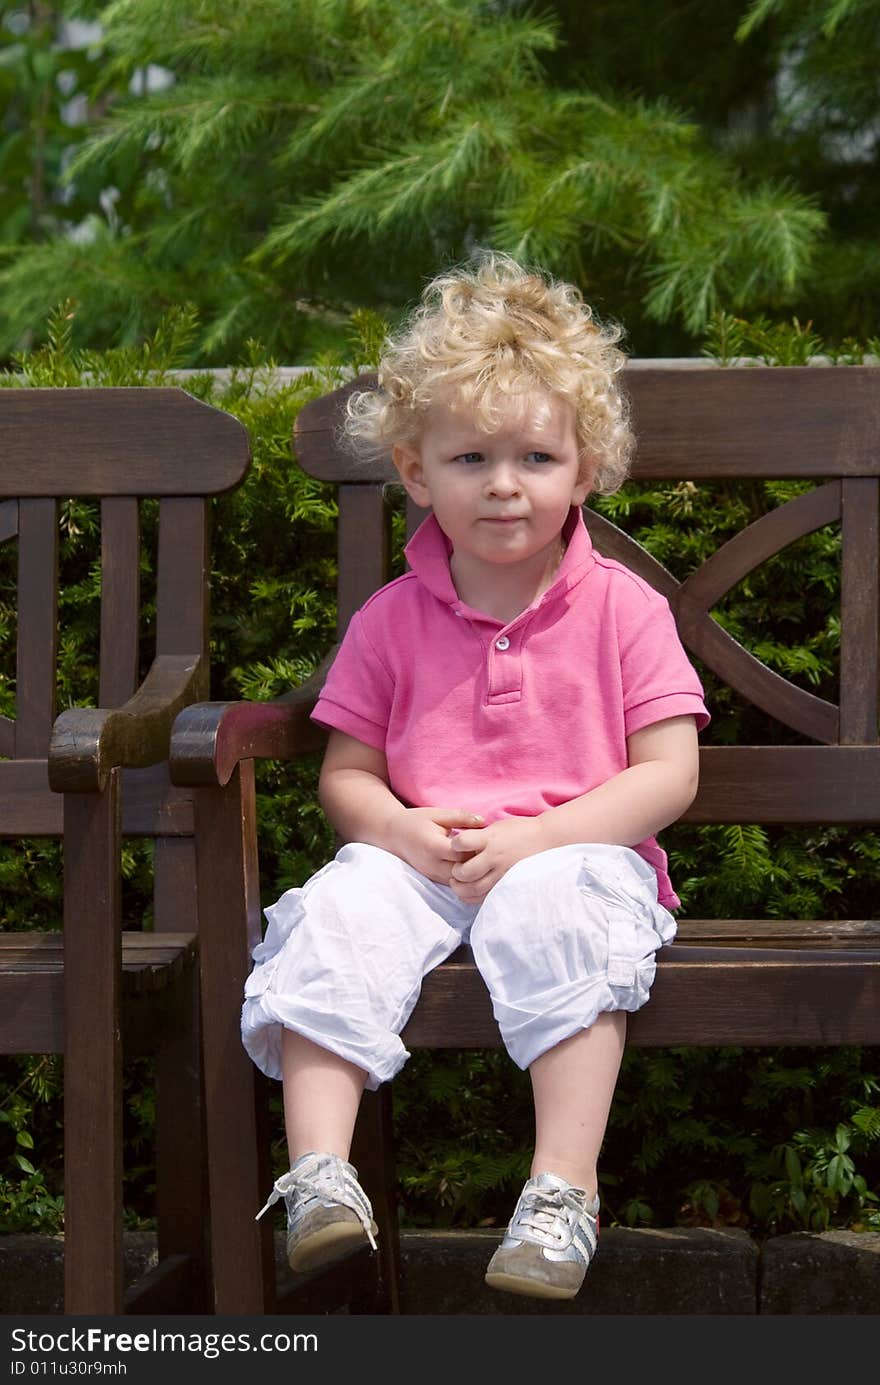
(357, 693)
(659, 680)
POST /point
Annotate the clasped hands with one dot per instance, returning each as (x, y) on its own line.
(453, 847)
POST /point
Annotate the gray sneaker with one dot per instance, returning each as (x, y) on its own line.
(328, 1212)
(549, 1242)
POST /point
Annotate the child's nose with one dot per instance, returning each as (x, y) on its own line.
(503, 479)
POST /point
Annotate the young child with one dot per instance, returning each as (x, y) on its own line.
(511, 722)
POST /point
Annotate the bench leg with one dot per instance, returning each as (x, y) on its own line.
(238, 1163)
(93, 1275)
(373, 1157)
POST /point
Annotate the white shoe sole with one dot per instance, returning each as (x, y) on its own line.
(532, 1288)
(330, 1243)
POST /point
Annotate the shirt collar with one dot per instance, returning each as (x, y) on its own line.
(428, 556)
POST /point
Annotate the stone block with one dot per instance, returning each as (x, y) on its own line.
(824, 1272)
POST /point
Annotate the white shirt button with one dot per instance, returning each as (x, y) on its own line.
(502, 643)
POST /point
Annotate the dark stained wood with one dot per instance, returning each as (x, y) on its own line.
(87, 743)
(181, 628)
(787, 784)
(151, 807)
(37, 625)
(859, 603)
(238, 1173)
(8, 519)
(175, 893)
(86, 988)
(364, 548)
(766, 421)
(92, 1052)
(120, 599)
(690, 423)
(703, 997)
(372, 1153)
(210, 739)
(138, 441)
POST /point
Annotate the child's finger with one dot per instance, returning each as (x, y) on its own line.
(456, 819)
(462, 841)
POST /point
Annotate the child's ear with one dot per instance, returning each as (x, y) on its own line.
(584, 486)
(581, 491)
(408, 461)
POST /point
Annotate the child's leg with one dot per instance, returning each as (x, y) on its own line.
(333, 985)
(322, 1093)
(565, 943)
(573, 1085)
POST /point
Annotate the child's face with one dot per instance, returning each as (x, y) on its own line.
(501, 497)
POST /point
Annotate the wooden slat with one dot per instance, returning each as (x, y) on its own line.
(182, 578)
(851, 934)
(363, 547)
(691, 423)
(7, 736)
(805, 999)
(120, 600)
(174, 884)
(32, 985)
(766, 421)
(8, 519)
(859, 599)
(126, 441)
(701, 996)
(787, 784)
(37, 625)
(32, 1011)
(151, 804)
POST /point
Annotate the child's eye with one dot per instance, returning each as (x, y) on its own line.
(469, 457)
(539, 457)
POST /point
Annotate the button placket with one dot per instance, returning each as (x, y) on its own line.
(504, 668)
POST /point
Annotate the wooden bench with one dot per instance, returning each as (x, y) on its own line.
(95, 775)
(723, 981)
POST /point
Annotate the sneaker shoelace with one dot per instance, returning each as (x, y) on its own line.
(541, 1211)
(325, 1180)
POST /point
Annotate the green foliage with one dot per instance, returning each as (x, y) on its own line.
(769, 1140)
(30, 1197)
(43, 79)
(303, 160)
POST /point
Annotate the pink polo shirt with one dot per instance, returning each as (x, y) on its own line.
(509, 720)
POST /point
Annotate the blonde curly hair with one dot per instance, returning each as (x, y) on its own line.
(485, 334)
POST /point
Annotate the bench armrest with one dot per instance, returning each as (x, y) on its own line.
(88, 742)
(210, 738)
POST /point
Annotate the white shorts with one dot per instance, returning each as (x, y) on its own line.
(563, 936)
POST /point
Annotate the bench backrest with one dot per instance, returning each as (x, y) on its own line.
(697, 423)
(119, 447)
